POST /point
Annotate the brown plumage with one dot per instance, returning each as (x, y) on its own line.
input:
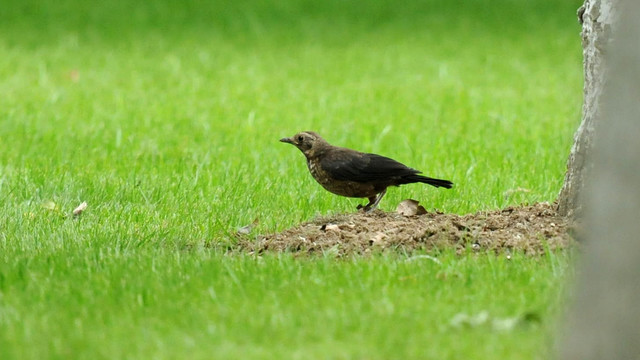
(352, 173)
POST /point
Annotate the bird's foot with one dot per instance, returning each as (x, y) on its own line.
(373, 202)
(365, 208)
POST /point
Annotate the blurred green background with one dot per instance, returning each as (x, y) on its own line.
(164, 116)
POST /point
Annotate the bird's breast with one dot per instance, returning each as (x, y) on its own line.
(316, 171)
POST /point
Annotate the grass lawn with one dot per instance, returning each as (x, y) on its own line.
(165, 117)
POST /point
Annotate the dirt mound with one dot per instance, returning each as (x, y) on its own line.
(530, 229)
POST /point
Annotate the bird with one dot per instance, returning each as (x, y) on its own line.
(352, 173)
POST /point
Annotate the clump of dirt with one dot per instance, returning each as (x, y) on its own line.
(531, 229)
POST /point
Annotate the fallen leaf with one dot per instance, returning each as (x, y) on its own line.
(465, 320)
(410, 207)
(78, 210)
(74, 75)
(505, 324)
(498, 324)
(245, 230)
(331, 227)
(49, 205)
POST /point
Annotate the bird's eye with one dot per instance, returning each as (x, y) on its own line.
(300, 138)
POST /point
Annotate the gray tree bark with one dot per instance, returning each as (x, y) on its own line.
(596, 19)
(605, 321)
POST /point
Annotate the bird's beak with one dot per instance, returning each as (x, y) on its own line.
(287, 140)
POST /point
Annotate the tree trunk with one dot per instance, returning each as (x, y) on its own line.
(595, 16)
(605, 321)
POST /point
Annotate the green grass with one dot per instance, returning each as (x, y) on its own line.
(164, 116)
(164, 304)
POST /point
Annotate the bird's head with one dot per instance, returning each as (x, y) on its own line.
(308, 142)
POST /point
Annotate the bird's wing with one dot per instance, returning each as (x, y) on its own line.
(361, 167)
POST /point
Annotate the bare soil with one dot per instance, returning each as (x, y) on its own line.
(531, 229)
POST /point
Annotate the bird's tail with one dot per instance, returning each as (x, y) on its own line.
(427, 180)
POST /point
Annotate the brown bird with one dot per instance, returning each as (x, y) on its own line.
(352, 173)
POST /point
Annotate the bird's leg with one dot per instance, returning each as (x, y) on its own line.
(378, 198)
(373, 202)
